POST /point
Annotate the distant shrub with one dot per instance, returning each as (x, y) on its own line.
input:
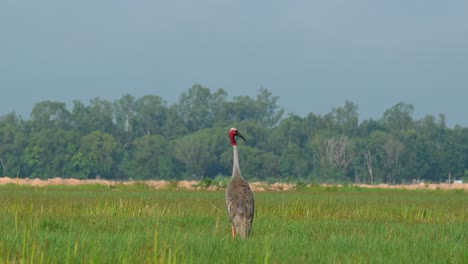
(300, 186)
(221, 181)
(205, 183)
(171, 185)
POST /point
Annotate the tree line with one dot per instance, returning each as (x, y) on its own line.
(145, 138)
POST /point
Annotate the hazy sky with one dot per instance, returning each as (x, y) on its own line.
(314, 55)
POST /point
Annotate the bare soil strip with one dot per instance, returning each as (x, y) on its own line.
(194, 185)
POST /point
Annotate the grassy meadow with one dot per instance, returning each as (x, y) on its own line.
(138, 224)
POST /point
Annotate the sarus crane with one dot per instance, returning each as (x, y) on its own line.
(239, 198)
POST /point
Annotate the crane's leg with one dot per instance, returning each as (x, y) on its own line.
(233, 232)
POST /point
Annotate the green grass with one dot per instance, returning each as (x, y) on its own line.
(137, 224)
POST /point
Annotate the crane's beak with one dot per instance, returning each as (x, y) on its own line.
(239, 135)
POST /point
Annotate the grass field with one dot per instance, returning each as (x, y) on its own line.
(137, 224)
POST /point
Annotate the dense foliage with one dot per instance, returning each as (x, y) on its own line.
(145, 138)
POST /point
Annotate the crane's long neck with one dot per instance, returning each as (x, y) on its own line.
(235, 167)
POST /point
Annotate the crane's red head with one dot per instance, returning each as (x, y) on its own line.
(232, 135)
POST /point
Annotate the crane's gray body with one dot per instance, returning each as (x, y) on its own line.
(239, 201)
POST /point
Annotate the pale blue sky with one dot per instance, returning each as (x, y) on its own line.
(314, 55)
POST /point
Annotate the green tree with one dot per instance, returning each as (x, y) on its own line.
(195, 108)
(79, 116)
(49, 152)
(454, 158)
(34, 162)
(146, 138)
(175, 126)
(360, 162)
(334, 152)
(399, 117)
(124, 110)
(97, 116)
(268, 111)
(293, 129)
(374, 156)
(151, 115)
(13, 140)
(50, 115)
(415, 161)
(196, 152)
(219, 108)
(259, 164)
(242, 108)
(344, 119)
(367, 127)
(81, 166)
(263, 110)
(293, 162)
(393, 150)
(152, 158)
(101, 149)
(433, 135)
